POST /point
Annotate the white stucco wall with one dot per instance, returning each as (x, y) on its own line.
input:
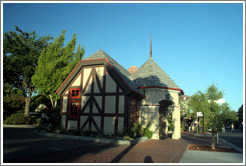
(109, 125)
(72, 125)
(77, 81)
(64, 104)
(121, 104)
(63, 121)
(149, 110)
(149, 116)
(110, 84)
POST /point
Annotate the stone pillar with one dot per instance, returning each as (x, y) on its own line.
(176, 123)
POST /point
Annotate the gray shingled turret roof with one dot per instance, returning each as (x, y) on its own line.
(151, 74)
(126, 75)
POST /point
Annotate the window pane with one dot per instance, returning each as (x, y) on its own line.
(77, 92)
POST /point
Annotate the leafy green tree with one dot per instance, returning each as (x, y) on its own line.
(240, 114)
(228, 116)
(13, 100)
(212, 111)
(20, 54)
(54, 64)
(214, 115)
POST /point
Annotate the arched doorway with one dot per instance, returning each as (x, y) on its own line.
(163, 121)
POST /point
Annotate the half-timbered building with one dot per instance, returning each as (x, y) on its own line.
(100, 95)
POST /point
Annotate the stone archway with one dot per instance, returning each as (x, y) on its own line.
(163, 121)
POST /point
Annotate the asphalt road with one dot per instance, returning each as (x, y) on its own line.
(24, 145)
(235, 137)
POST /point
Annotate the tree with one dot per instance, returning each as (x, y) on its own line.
(228, 116)
(13, 100)
(212, 111)
(54, 65)
(20, 54)
(240, 114)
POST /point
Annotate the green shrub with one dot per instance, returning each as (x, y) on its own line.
(39, 121)
(137, 131)
(16, 119)
(183, 127)
(147, 133)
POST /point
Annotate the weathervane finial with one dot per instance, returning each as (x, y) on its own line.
(150, 52)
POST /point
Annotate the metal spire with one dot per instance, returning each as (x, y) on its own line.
(150, 52)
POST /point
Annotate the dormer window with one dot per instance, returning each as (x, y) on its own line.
(75, 93)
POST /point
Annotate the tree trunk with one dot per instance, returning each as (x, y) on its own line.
(27, 105)
(55, 103)
(213, 141)
(51, 100)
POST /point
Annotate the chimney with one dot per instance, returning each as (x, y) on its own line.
(132, 69)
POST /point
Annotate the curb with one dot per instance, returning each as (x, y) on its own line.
(240, 150)
(102, 140)
(202, 136)
(19, 126)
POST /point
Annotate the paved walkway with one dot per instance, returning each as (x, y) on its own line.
(156, 151)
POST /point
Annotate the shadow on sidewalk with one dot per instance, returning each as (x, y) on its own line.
(123, 153)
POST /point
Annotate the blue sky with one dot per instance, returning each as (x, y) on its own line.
(196, 44)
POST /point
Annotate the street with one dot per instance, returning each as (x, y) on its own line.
(19, 143)
(235, 137)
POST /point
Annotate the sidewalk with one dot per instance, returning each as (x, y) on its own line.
(193, 156)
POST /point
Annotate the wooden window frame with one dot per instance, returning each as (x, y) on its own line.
(71, 92)
(70, 108)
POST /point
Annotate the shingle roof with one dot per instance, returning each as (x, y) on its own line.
(151, 74)
(126, 75)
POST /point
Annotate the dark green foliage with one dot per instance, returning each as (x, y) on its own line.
(17, 119)
(55, 117)
(137, 131)
(170, 122)
(39, 99)
(53, 123)
(13, 100)
(228, 116)
(20, 54)
(240, 114)
(12, 104)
